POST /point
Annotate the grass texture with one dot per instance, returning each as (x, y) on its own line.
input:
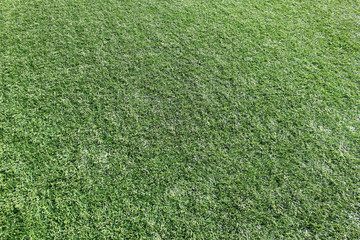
(183, 119)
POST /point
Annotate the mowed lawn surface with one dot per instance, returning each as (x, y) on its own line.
(144, 119)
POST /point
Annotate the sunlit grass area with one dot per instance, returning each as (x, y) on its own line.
(143, 119)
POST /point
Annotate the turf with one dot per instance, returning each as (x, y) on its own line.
(184, 119)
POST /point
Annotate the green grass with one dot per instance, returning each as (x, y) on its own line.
(192, 119)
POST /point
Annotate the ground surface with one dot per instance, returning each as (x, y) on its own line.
(227, 119)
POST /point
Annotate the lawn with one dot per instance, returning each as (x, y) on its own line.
(183, 119)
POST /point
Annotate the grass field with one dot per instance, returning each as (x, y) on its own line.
(184, 119)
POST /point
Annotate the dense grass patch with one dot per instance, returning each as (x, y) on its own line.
(226, 119)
